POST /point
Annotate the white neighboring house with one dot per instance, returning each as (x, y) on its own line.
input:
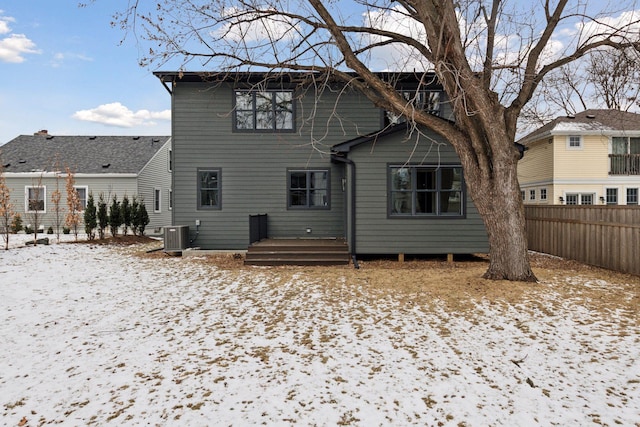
(587, 159)
(34, 166)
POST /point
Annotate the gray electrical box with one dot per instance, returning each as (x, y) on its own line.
(176, 238)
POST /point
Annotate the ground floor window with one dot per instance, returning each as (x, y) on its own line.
(426, 191)
(579, 198)
(632, 196)
(308, 189)
(35, 199)
(209, 188)
(612, 196)
(543, 194)
(156, 200)
(82, 196)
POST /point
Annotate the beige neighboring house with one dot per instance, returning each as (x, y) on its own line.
(34, 167)
(592, 158)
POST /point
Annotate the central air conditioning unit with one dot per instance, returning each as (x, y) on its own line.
(176, 238)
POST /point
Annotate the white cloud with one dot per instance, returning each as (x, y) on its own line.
(13, 48)
(251, 27)
(116, 114)
(395, 56)
(629, 21)
(4, 24)
(60, 58)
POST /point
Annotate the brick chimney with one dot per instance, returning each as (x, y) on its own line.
(42, 132)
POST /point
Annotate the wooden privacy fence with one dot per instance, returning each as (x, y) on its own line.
(604, 236)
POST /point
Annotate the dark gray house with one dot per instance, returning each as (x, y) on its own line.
(34, 166)
(319, 165)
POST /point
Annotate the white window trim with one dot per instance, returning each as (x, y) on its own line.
(532, 194)
(157, 192)
(170, 161)
(86, 193)
(543, 194)
(606, 200)
(170, 195)
(26, 198)
(626, 195)
(579, 147)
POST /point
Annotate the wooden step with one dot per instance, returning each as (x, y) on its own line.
(298, 252)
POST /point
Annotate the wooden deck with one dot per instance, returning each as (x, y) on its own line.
(298, 252)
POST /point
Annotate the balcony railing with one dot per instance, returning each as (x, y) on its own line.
(624, 164)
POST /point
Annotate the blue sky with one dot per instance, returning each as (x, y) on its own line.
(62, 68)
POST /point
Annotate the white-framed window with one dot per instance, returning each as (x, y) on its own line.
(170, 161)
(611, 196)
(157, 200)
(579, 198)
(632, 196)
(35, 199)
(170, 198)
(586, 199)
(523, 195)
(532, 194)
(574, 142)
(83, 193)
(543, 194)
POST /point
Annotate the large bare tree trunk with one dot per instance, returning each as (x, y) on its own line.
(499, 203)
(497, 197)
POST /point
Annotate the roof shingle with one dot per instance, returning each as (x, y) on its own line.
(83, 154)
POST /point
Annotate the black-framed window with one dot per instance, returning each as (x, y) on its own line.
(264, 111)
(426, 191)
(308, 189)
(156, 200)
(209, 189)
(423, 100)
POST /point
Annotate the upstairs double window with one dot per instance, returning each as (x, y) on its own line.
(264, 111)
(420, 100)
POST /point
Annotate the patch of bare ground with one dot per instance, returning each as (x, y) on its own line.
(458, 285)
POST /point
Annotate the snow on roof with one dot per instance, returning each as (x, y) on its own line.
(580, 127)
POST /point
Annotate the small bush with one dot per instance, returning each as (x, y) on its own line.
(66, 230)
(16, 224)
(28, 229)
(50, 230)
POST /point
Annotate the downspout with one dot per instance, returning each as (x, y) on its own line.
(352, 179)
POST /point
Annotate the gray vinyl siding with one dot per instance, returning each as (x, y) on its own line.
(254, 166)
(154, 175)
(377, 233)
(108, 185)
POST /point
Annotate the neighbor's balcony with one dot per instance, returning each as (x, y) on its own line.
(624, 164)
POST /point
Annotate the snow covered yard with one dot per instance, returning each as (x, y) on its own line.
(100, 335)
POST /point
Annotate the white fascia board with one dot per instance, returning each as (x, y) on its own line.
(62, 174)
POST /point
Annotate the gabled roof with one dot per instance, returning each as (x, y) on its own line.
(588, 122)
(83, 154)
